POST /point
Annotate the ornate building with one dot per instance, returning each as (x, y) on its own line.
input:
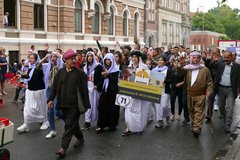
(167, 22)
(66, 24)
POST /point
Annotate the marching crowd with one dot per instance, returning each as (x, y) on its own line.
(70, 83)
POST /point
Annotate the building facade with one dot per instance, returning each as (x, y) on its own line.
(64, 24)
(167, 22)
(200, 40)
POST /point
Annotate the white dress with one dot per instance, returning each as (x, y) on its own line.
(35, 107)
(136, 114)
(163, 108)
(92, 113)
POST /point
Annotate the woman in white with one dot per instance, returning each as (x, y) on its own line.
(35, 107)
(137, 113)
(163, 108)
(93, 69)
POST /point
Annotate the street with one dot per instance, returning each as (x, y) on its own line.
(173, 143)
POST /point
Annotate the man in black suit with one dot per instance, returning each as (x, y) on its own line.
(227, 83)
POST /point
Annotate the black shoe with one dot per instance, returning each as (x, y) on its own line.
(61, 152)
(185, 122)
(126, 133)
(208, 120)
(196, 133)
(99, 130)
(227, 130)
(86, 126)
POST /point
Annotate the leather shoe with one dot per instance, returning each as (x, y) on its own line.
(78, 143)
(196, 133)
(61, 152)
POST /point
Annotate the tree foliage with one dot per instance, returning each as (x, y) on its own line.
(221, 19)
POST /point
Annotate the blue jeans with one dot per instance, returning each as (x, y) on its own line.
(53, 110)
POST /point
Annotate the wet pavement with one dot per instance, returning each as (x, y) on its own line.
(173, 143)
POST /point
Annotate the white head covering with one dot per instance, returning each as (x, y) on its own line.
(87, 68)
(112, 69)
(192, 66)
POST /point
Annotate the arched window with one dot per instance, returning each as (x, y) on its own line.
(136, 24)
(78, 16)
(111, 22)
(125, 23)
(95, 20)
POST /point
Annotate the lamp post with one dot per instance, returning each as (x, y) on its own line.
(203, 40)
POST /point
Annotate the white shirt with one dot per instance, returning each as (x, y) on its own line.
(194, 76)
(5, 20)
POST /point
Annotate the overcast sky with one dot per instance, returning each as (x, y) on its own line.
(208, 4)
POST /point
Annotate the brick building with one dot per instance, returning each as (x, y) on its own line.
(66, 24)
(201, 40)
(167, 22)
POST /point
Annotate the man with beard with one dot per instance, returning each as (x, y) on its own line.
(227, 83)
(199, 87)
(70, 86)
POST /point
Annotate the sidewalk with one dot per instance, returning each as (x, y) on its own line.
(231, 149)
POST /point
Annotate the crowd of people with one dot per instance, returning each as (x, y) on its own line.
(68, 84)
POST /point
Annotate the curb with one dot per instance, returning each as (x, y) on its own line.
(231, 148)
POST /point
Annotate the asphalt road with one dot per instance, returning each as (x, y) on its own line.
(174, 143)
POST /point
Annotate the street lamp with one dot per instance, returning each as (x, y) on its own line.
(203, 46)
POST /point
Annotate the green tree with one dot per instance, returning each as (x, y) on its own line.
(221, 19)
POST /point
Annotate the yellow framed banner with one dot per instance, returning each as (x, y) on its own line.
(140, 91)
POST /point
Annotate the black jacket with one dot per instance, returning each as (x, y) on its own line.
(113, 83)
(235, 77)
(81, 84)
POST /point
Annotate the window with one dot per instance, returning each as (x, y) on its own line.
(111, 21)
(164, 32)
(39, 15)
(150, 41)
(171, 33)
(10, 12)
(151, 10)
(95, 20)
(178, 34)
(136, 23)
(125, 23)
(78, 16)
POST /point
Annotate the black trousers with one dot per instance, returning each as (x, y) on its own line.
(18, 89)
(176, 92)
(210, 108)
(185, 105)
(71, 118)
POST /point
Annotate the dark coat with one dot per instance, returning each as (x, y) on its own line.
(235, 77)
(81, 84)
(113, 83)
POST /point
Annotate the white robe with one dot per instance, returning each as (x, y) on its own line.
(136, 114)
(163, 108)
(35, 107)
(92, 113)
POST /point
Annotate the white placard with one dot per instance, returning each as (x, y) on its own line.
(123, 100)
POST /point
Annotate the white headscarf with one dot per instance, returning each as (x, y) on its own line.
(87, 68)
(192, 66)
(32, 67)
(112, 69)
(47, 67)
